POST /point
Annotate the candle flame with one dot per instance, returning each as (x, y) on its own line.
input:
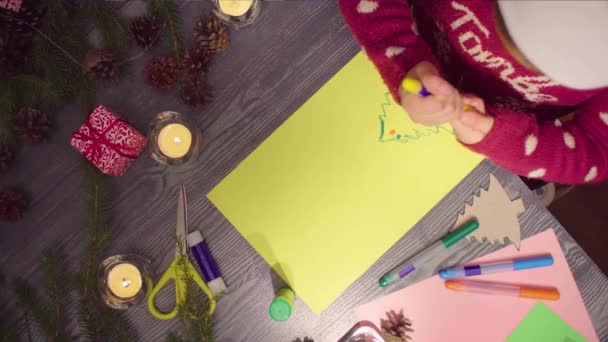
(126, 282)
(177, 140)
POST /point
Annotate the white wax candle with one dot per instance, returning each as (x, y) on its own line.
(124, 280)
(174, 140)
(235, 7)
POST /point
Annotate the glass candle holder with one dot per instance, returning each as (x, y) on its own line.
(172, 140)
(123, 280)
(237, 13)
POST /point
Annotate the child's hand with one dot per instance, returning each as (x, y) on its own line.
(472, 125)
(444, 105)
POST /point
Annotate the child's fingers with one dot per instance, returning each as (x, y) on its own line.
(474, 102)
(437, 85)
(427, 110)
(429, 76)
(477, 121)
(466, 134)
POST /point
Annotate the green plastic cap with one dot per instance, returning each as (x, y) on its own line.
(461, 233)
(280, 309)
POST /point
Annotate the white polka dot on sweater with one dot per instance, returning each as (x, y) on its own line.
(367, 6)
(537, 173)
(569, 140)
(394, 51)
(604, 117)
(557, 123)
(531, 143)
(591, 174)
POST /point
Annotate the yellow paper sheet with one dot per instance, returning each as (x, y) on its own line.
(338, 183)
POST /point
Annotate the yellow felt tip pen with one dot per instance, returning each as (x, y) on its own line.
(413, 86)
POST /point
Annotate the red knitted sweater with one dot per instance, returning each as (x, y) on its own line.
(460, 38)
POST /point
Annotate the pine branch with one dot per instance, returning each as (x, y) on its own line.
(35, 306)
(35, 91)
(196, 323)
(8, 107)
(56, 291)
(97, 321)
(111, 25)
(167, 11)
(48, 312)
(8, 333)
(66, 28)
(87, 97)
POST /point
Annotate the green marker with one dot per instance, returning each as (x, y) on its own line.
(282, 305)
(428, 254)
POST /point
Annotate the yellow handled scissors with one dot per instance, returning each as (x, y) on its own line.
(175, 270)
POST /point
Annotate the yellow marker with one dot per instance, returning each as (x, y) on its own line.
(413, 86)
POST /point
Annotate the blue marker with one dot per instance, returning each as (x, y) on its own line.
(514, 265)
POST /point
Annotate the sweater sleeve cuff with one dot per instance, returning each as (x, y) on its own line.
(508, 129)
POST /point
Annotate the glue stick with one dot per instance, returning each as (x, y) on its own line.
(206, 263)
(282, 306)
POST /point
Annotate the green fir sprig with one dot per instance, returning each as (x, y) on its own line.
(48, 312)
(193, 312)
(167, 12)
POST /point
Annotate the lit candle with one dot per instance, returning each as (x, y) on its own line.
(124, 280)
(174, 140)
(235, 7)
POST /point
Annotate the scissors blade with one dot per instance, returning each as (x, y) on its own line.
(181, 227)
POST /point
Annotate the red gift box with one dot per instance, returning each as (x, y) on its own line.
(108, 142)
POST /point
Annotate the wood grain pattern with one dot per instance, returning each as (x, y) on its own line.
(271, 69)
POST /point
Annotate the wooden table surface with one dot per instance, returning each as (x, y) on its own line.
(271, 69)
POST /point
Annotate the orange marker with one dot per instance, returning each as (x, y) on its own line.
(486, 287)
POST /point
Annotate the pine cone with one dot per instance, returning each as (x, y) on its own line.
(31, 126)
(396, 327)
(211, 34)
(100, 62)
(195, 60)
(196, 92)
(145, 31)
(6, 157)
(306, 339)
(162, 73)
(16, 39)
(12, 205)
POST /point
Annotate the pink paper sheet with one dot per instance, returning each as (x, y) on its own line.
(439, 314)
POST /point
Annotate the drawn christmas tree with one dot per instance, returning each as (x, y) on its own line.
(396, 126)
(496, 213)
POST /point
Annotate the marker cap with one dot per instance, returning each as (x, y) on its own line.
(281, 307)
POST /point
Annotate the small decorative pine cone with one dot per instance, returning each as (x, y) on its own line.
(211, 34)
(162, 73)
(306, 339)
(6, 157)
(32, 126)
(195, 60)
(12, 205)
(100, 62)
(145, 31)
(16, 30)
(196, 92)
(396, 327)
